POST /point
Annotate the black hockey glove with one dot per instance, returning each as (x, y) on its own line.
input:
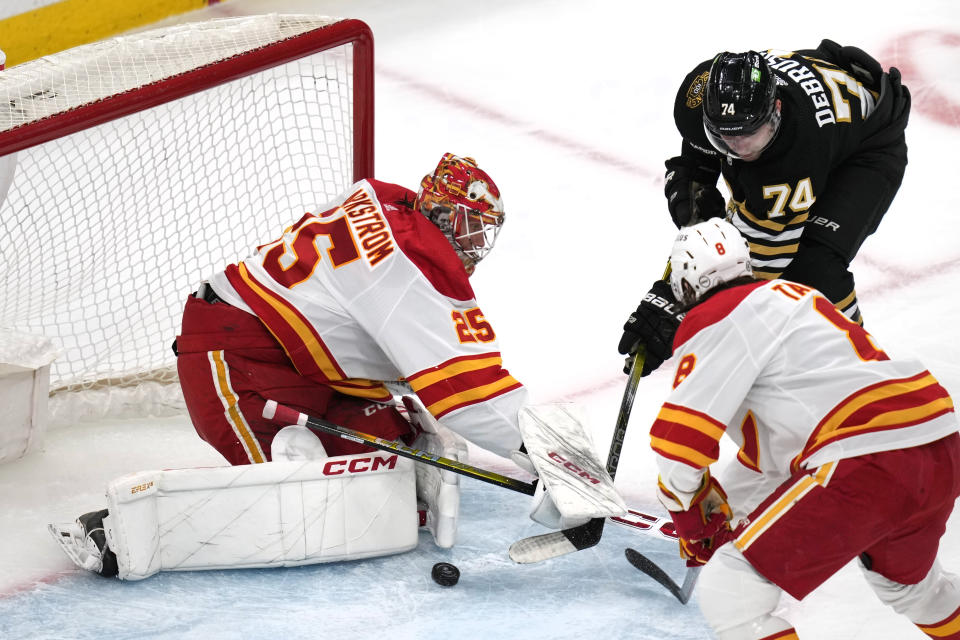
(692, 194)
(653, 326)
(861, 64)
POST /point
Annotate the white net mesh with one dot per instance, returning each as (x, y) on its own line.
(106, 231)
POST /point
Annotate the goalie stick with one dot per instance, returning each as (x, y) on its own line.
(280, 413)
(649, 567)
(557, 543)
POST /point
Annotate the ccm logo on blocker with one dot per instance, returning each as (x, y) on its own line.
(566, 464)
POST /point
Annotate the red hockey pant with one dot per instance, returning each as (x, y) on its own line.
(889, 508)
(229, 365)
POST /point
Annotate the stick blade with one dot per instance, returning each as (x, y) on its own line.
(557, 543)
(647, 566)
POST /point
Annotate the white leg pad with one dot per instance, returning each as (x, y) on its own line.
(439, 489)
(262, 515)
(927, 602)
(736, 601)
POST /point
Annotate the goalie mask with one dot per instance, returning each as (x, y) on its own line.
(465, 204)
(706, 255)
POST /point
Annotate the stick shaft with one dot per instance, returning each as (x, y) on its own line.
(281, 413)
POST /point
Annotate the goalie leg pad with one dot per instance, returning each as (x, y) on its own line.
(263, 515)
(736, 601)
(439, 489)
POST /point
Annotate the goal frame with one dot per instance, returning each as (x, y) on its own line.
(348, 31)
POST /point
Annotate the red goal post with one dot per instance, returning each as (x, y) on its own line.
(146, 162)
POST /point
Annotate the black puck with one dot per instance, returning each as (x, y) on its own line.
(445, 574)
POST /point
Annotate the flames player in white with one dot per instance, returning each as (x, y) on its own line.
(373, 288)
(844, 451)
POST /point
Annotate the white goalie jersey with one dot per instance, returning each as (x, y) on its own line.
(369, 290)
(794, 383)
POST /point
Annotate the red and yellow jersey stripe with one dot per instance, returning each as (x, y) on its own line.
(299, 339)
(786, 634)
(891, 404)
(462, 381)
(686, 435)
(946, 629)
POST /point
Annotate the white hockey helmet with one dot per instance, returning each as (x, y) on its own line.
(706, 255)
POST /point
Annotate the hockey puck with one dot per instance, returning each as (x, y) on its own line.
(445, 574)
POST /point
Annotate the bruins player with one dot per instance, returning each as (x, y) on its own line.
(811, 145)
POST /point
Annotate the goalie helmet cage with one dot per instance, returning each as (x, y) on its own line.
(147, 162)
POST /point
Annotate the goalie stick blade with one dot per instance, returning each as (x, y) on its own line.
(644, 564)
(556, 543)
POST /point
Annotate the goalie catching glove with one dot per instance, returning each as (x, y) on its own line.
(705, 525)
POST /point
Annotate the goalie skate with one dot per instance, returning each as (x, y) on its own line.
(85, 543)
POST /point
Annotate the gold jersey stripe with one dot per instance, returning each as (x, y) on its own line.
(781, 506)
(766, 274)
(373, 392)
(846, 302)
(773, 250)
(786, 634)
(676, 451)
(302, 330)
(471, 395)
(944, 629)
(770, 225)
(687, 419)
(834, 422)
(454, 369)
(232, 408)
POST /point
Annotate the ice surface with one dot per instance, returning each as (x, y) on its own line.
(568, 106)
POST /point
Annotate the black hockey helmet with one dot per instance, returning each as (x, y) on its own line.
(740, 102)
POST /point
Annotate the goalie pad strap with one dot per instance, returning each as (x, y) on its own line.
(262, 515)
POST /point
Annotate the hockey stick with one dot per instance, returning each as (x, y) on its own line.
(645, 564)
(280, 413)
(558, 543)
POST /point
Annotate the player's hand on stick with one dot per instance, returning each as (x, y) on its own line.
(705, 525)
(692, 194)
(697, 552)
(652, 326)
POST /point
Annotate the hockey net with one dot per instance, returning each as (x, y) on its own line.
(147, 162)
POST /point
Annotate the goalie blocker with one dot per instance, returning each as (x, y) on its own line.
(574, 485)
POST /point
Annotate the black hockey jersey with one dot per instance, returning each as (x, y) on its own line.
(829, 115)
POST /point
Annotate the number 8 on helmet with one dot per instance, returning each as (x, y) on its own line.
(705, 256)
